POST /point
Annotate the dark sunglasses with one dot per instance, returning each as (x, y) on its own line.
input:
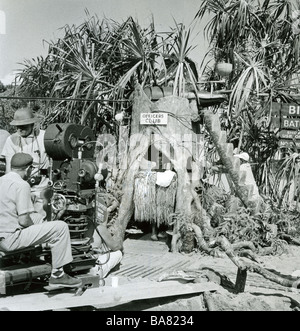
(22, 127)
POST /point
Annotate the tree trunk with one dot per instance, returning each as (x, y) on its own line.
(138, 146)
(231, 164)
(244, 266)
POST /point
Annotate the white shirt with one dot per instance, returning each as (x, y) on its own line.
(249, 178)
(15, 200)
(33, 145)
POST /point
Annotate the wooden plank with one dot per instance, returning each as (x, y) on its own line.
(290, 109)
(290, 123)
(288, 143)
(102, 297)
(285, 109)
(289, 134)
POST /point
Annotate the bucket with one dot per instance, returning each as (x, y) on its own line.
(224, 69)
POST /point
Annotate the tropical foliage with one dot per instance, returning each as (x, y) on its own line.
(262, 42)
(93, 69)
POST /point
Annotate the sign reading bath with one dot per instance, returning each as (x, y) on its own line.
(154, 119)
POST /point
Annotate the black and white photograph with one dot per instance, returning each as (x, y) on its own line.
(150, 158)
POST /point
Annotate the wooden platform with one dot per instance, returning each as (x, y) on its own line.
(106, 296)
(143, 265)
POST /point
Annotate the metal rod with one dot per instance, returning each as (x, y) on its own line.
(61, 99)
(211, 81)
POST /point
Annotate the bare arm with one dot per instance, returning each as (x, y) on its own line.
(109, 240)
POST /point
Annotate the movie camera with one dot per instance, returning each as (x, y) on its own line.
(72, 177)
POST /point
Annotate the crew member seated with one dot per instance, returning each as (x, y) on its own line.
(109, 250)
(20, 225)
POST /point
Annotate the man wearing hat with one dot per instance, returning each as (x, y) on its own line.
(17, 229)
(29, 139)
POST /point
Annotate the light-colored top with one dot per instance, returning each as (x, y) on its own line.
(33, 145)
(3, 136)
(249, 179)
(15, 200)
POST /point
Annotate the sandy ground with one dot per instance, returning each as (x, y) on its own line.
(260, 294)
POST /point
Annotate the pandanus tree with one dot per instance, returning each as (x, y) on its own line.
(99, 64)
(100, 61)
(262, 42)
(92, 74)
(91, 65)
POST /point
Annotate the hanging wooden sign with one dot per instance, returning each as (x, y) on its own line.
(290, 123)
(288, 109)
(289, 143)
(154, 119)
(289, 134)
(286, 118)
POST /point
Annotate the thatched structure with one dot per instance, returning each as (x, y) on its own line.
(153, 203)
(177, 142)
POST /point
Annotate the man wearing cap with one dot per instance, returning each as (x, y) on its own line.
(17, 229)
(29, 139)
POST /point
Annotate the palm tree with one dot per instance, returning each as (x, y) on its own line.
(177, 64)
(99, 62)
(259, 39)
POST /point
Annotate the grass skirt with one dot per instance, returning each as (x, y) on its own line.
(153, 203)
